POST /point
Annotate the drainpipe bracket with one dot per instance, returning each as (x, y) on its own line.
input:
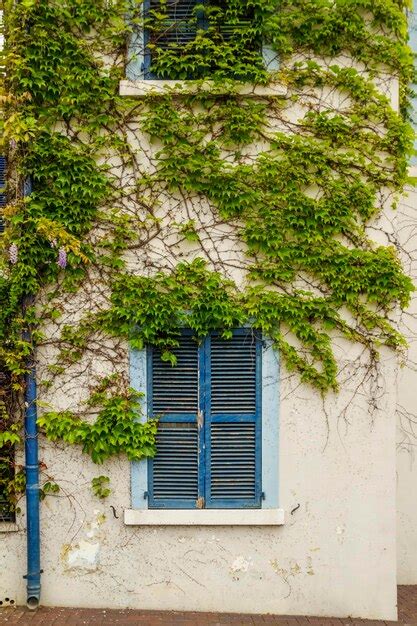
(26, 576)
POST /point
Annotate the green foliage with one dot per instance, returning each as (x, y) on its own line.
(151, 310)
(300, 206)
(12, 484)
(116, 429)
(49, 488)
(100, 487)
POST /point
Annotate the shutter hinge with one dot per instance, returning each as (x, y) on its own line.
(145, 495)
(200, 503)
(200, 419)
(263, 495)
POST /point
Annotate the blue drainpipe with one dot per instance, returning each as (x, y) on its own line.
(33, 576)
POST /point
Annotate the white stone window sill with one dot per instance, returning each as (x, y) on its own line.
(204, 517)
(8, 527)
(140, 88)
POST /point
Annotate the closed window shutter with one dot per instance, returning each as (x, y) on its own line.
(175, 31)
(239, 29)
(179, 27)
(2, 191)
(209, 431)
(233, 422)
(174, 397)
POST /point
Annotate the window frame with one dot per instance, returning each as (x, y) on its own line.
(140, 512)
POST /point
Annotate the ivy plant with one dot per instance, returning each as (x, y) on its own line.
(295, 179)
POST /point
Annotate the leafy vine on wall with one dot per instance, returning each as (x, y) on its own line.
(208, 209)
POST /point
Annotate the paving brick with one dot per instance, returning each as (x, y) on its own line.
(407, 616)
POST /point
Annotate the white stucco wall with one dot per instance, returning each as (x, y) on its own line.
(407, 387)
(407, 410)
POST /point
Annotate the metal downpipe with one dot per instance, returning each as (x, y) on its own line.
(33, 576)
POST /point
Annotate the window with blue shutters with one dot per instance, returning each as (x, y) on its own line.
(209, 433)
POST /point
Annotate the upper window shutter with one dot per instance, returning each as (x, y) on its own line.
(240, 28)
(177, 30)
(2, 191)
(233, 421)
(173, 398)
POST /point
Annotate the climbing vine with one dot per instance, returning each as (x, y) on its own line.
(223, 205)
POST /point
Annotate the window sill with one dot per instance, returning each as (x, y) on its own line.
(204, 517)
(8, 527)
(141, 88)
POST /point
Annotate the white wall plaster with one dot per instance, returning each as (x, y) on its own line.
(83, 556)
(406, 229)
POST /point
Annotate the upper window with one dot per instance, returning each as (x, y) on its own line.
(187, 39)
(209, 433)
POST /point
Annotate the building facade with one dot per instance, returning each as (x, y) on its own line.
(269, 492)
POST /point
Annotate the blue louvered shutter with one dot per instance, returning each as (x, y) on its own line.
(174, 32)
(173, 396)
(233, 421)
(2, 191)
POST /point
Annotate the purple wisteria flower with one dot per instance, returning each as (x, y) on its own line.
(13, 253)
(62, 258)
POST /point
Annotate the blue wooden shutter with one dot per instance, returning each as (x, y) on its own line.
(2, 191)
(175, 32)
(233, 421)
(173, 395)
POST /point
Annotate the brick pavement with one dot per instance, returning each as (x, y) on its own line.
(407, 615)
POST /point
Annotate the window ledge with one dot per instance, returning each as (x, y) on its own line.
(140, 88)
(204, 517)
(8, 527)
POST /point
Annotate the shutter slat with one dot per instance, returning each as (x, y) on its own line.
(175, 466)
(175, 388)
(233, 374)
(233, 475)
